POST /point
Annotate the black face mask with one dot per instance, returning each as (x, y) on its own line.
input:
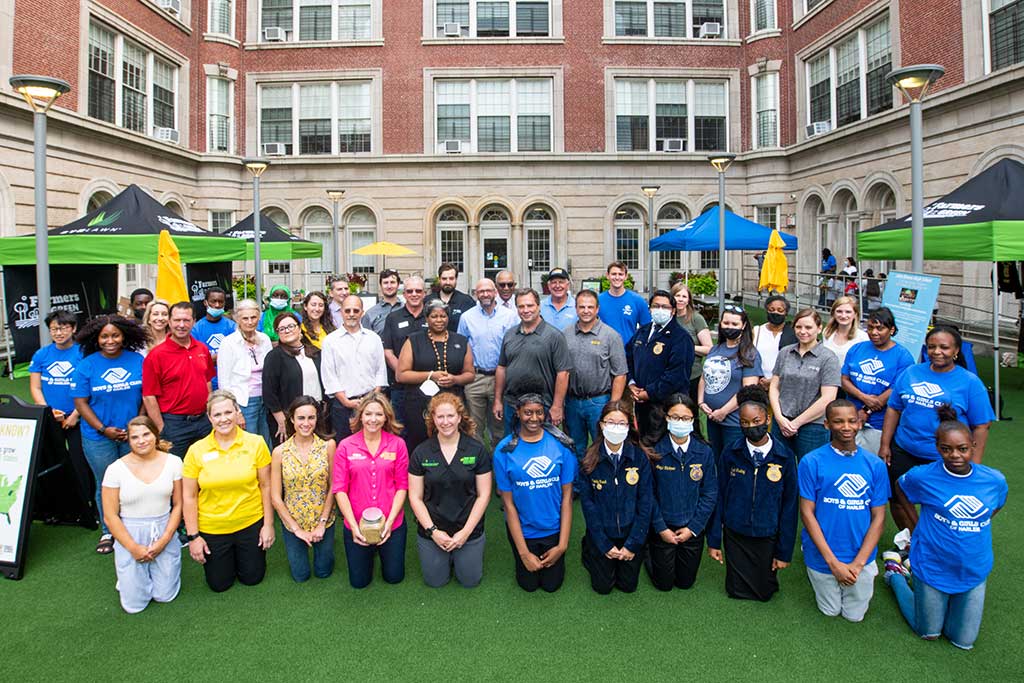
(730, 333)
(138, 313)
(755, 433)
(776, 318)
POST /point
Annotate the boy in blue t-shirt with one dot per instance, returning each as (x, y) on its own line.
(843, 493)
(53, 367)
(213, 328)
(622, 309)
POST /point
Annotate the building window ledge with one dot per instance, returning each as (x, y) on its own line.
(306, 44)
(221, 38)
(524, 40)
(761, 35)
(635, 40)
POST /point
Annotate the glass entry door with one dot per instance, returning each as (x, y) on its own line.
(495, 252)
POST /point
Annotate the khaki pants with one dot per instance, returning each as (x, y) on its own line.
(480, 402)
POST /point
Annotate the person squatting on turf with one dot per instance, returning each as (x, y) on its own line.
(951, 547)
(757, 505)
(616, 496)
(843, 492)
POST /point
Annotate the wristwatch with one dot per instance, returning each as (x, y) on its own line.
(430, 531)
(191, 537)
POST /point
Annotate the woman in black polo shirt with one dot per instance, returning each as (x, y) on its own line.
(449, 488)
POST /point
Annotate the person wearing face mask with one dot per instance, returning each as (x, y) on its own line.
(616, 496)
(279, 301)
(659, 358)
(772, 336)
(214, 327)
(754, 528)
(139, 299)
(685, 492)
(731, 363)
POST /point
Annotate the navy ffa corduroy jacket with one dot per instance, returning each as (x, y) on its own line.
(661, 365)
(616, 500)
(685, 489)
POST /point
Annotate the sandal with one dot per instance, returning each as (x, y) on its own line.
(106, 545)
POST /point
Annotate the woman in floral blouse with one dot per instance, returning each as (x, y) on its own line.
(300, 485)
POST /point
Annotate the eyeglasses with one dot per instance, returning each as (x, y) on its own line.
(733, 308)
(507, 285)
(287, 328)
(414, 291)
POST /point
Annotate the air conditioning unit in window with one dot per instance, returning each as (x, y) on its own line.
(166, 134)
(273, 34)
(818, 127)
(452, 29)
(675, 145)
(710, 29)
(170, 6)
(452, 146)
(274, 149)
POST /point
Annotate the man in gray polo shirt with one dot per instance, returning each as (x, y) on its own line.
(599, 370)
(534, 359)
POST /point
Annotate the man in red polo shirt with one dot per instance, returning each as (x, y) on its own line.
(176, 379)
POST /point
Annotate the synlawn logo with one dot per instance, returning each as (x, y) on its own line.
(102, 220)
(871, 366)
(539, 467)
(60, 369)
(851, 485)
(965, 507)
(926, 389)
(116, 375)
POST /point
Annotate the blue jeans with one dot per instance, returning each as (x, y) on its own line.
(510, 411)
(930, 612)
(360, 558)
(256, 419)
(298, 554)
(581, 416)
(184, 430)
(720, 436)
(100, 454)
(807, 438)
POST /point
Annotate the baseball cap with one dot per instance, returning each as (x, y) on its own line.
(558, 273)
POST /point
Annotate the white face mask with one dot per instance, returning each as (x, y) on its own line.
(278, 304)
(660, 316)
(680, 428)
(615, 434)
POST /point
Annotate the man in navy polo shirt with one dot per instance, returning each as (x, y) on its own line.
(176, 380)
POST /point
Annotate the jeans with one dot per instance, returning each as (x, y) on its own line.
(340, 416)
(510, 411)
(721, 436)
(360, 558)
(100, 454)
(930, 612)
(298, 555)
(807, 438)
(256, 420)
(581, 416)
(184, 430)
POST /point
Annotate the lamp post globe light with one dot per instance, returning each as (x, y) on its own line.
(721, 163)
(914, 82)
(335, 196)
(256, 167)
(40, 92)
(650, 191)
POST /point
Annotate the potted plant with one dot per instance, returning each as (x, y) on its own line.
(356, 282)
(244, 287)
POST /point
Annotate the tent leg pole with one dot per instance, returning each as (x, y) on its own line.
(995, 338)
(5, 333)
(796, 276)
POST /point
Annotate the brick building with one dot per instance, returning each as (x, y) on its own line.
(510, 132)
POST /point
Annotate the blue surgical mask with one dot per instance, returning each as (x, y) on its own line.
(680, 428)
(661, 316)
(278, 304)
(215, 312)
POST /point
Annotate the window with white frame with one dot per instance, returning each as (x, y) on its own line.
(361, 230)
(451, 237)
(708, 260)
(129, 85)
(649, 112)
(668, 18)
(318, 20)
(836, 94)
(494, 115)
(766, 110)
(811, 4)
(762, 15)
(278, 216)
(221, 220)
(221, 15)
(629, 223)
(1006, 32)
(493, 18)
(707, 12)
(317, 118)
(670, 217)
(219, 127)
(767, 216)
(539, 226)
(318, 226)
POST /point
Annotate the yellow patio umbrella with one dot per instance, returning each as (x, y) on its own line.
(775, 269)
(385, 249)
(170, 282)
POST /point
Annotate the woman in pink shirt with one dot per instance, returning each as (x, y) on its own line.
(371, 470)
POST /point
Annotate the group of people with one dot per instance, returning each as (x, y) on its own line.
(304, 413)
(833, 283)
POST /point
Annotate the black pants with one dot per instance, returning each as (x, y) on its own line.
(235, 555)
(670, 564)
(748, 566)
(606, 573)
(548, 578)
(340, 416)
(184, 430)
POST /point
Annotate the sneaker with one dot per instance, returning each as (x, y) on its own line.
(906, 565)
(892, 556)
(893, 568)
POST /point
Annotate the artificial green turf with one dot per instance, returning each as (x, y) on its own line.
(63, 620)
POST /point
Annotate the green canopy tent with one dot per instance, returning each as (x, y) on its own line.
(982, 220)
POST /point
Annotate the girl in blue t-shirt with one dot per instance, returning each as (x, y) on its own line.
(910, 419)
(107, 389)
(951, 549)
(534, 468)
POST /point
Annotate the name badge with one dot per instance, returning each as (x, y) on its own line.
(404, 323)
(388, 455)
(212, 455)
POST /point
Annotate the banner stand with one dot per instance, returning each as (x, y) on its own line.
(21, 427)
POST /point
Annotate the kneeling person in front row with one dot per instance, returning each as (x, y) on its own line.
(616, 496)
(757, 505)
(843, 493)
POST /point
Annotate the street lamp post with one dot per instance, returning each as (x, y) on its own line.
(721, 163)
(256, 167)
(650, 191)
(40, 92)
(335, 196)
(914, 82)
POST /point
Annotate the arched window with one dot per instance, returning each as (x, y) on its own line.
(318, 226)
(670, 217)
(844, 243)
(175, 207)
(495, 228)
(97, 200)
(361, 230)
(629, 224)
(539, 226)
(451, 237)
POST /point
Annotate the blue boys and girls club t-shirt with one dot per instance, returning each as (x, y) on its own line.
(212, 334)
(920, 390)
(535, 473)
(952, 546)
(723, 376)
(56, 368)
(843, 488)
(625, 314)
(873, 372)
(113, 387)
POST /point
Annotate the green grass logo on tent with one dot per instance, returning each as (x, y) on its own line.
(103, 220)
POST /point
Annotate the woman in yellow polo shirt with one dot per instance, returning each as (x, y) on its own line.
(229, 518)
